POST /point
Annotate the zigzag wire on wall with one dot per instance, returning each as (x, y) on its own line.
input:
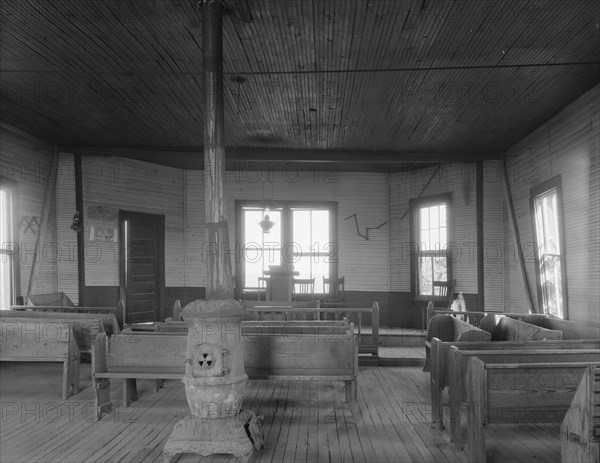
(366, 229)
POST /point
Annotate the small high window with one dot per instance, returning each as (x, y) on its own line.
(545, 202)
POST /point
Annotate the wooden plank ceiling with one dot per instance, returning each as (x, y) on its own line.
(381, 81)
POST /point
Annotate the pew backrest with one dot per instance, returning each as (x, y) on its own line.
(458, 361)
(84, 331)
(440, 350)
(572, 330)
(580, 428)
(49, 299)
(517, 393)
(111, 326)
(28, 340)
(517, 330)
(126, 353)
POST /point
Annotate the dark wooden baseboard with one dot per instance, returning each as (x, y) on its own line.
(396, 309)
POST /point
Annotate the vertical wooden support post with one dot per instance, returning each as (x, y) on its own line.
(513, 218)
(48, 197)
(81, 230)
(219, 282)
(480, 239)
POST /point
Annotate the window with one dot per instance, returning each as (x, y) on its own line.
(430, 260)
(7, 250)
(312, 244)
(545, 202)
(260, 249)
(304, 235)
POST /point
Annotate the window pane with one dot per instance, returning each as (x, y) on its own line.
(301, 230)
(442, 215)
(425, 276)
(320, 230)
(439, 269)
(303, 266)
(551, 281)
(425, 240)
(443, 238)
(5, 286)
(424, 218)
(253, 272)
(320, 270)
(434, 217)
(252, 231)
(257, 262)
(6, 260)
(434, 239)
(4, 219)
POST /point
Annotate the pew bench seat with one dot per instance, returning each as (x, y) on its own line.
(39, 341)
(459, 359)
(440, 351)
(517, 393)
(331, 357)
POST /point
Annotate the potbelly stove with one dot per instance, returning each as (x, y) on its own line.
(215, 382)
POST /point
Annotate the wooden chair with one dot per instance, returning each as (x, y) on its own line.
(333, 288)
(263, 289)
(304, 289)
(443, 293)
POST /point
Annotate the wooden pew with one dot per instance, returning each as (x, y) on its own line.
(510, 329)
(42, 341)
(282, 310)
(253, 328)
(580, 428)
(570, 330)
(451, 329)
(118, 312)
(516, 393)
(125, 357)
(458, 360)
(518, 330)
(84, 331)
(109, 321)
(439, 376)
(367, 344)
(55, 299)
(474, 317)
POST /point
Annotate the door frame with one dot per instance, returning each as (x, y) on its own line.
(160, 221)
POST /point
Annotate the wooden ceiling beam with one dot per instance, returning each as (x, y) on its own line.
(192, 159)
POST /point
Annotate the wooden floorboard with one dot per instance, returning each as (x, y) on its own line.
(304, 421)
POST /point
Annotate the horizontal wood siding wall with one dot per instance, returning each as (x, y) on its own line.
(365, 264)
(493, 242)
(26, 162)
(569, 145)
(457, 179)
(67, 238)
(125, 184)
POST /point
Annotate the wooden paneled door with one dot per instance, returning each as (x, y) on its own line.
(142, 265)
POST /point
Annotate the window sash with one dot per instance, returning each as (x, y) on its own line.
(311, 254)
(431, 235)
(549, 252)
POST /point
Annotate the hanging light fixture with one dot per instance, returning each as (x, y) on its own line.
(266, 223)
